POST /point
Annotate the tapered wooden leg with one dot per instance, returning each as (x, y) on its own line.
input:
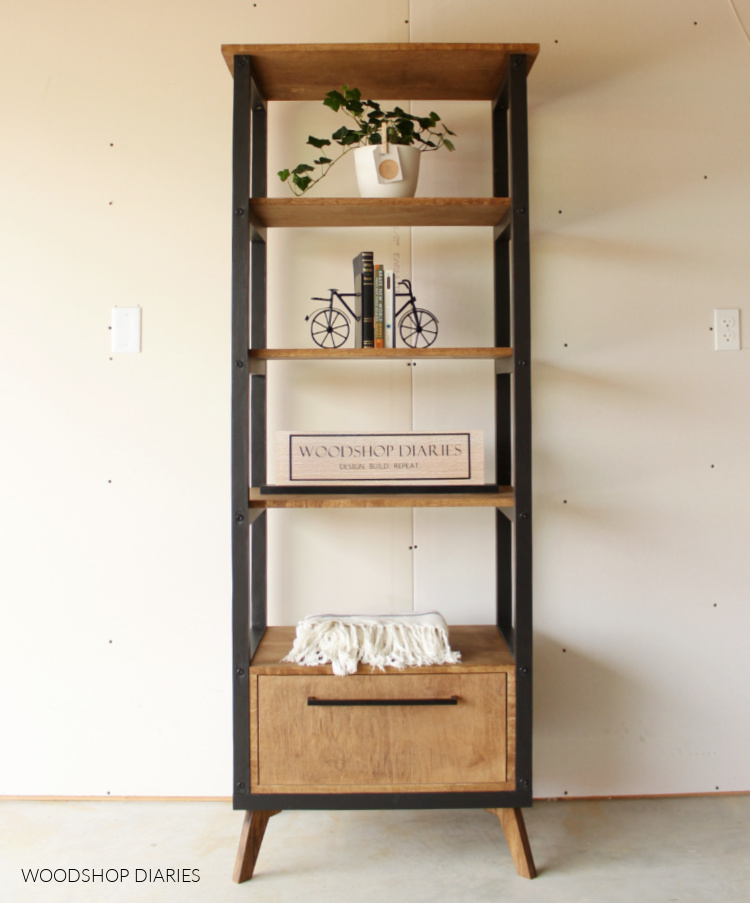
(253, 829)
(518, 840)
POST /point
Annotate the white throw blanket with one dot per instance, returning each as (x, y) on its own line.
(395, 641)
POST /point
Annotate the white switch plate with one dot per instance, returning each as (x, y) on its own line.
(126, 330)
(727, 330)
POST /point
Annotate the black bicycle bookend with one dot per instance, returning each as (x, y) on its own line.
(330, 326)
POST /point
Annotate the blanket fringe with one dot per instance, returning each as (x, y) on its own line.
(392, 644)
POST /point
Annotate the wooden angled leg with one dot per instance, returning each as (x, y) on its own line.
(253, 829)
(518, 840)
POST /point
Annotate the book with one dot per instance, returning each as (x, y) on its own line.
(379, 320)
(389, 309)
(365, 303)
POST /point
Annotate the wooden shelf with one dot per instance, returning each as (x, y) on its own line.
(380, 71)
(379, 354)
(503, 498)
(308, 213)
(482, 648)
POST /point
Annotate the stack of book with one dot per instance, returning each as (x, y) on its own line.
(375, 303)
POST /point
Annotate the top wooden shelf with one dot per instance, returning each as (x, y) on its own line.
(380, 71)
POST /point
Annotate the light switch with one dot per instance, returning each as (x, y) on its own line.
(126, 330)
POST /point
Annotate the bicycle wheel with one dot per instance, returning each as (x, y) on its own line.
(329, 328)
(418, 328)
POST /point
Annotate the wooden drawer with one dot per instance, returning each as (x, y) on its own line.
(374, 732)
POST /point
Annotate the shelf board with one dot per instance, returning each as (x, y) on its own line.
(380, 71)
(503, 498)
(379, 354)
(482, 649)
(307, 213)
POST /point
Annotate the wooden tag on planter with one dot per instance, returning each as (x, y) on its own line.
(388, 165)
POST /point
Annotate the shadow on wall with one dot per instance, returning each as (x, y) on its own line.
(580, 54)
(579, 701)
(616, 129)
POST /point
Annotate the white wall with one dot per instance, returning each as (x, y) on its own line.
(115, 581)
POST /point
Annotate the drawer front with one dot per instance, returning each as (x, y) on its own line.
(382, 731)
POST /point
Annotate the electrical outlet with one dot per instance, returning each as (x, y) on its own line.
(727, 330)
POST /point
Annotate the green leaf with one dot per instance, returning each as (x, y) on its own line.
(317, 142)
(350, 100)
(284, 174)
(449, 144)
(345, 136)
(303, 167)
(335, 100)
(302, 182)
(322, 160)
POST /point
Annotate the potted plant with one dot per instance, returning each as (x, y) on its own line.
(387, 146)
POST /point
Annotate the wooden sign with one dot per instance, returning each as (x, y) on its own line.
(426, 458)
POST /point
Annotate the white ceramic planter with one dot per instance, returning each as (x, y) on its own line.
(370, 186)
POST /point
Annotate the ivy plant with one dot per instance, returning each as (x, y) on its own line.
(371, 123)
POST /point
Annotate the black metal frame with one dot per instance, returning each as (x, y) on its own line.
(513, 441)
(513, 399)
(249, 530)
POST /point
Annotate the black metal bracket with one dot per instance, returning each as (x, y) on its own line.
(500, 799)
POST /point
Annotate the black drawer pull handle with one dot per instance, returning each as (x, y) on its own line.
(313, 700)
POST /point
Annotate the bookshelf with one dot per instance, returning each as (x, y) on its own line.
(481, 756)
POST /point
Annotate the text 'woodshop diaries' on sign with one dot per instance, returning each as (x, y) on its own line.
(425, 458)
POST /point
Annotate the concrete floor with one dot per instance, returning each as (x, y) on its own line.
(694, 850)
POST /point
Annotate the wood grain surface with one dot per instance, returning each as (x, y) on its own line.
(380, 71)
(309, 213)
(481, 646)
(514, 829)
(251, 837)
(374, 354)
(503, 498)
(381, 746)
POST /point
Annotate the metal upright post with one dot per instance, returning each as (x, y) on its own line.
(248, 405)
(258, 390)
(521, 330)
(502, 339)
(240, 428)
